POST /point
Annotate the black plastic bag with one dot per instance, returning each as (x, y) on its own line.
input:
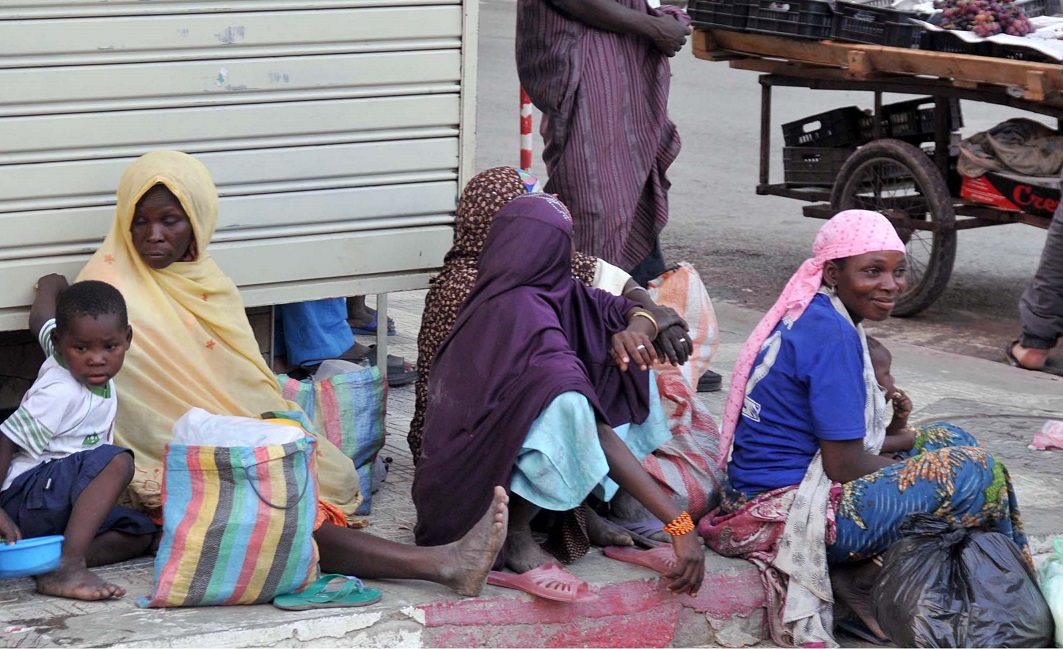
(943, 585)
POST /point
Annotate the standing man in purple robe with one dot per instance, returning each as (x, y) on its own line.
(598, 70)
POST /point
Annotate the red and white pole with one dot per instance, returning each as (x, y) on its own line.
(525, 131)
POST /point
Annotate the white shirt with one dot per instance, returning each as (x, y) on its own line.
(609, 278)
(59, 416)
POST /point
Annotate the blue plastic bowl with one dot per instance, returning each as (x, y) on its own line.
(30, 556)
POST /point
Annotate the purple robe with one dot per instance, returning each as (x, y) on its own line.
(608, 139)
(527, 333)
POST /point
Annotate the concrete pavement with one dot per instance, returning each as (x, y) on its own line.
(1002, 406)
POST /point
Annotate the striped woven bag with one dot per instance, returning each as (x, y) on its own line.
(237, 521)
(350, 409)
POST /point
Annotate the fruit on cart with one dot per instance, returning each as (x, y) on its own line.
(984, 17)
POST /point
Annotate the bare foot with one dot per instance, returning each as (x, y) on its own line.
(603, 534)
(523, 553)
(1029, 357)
(77, 583)
(852, 584)
(473, 556)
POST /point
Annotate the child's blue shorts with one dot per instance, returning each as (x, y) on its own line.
(40, 500)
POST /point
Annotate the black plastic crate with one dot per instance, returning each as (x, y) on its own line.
(719, 14)
(863, 22)
(838, 127)
(813, 166)
(809, 19)
(1001, 51)
(914, 120)
(946, 42)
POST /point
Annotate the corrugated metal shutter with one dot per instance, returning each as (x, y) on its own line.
(331, 129)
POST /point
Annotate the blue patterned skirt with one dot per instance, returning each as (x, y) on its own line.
(948, 474)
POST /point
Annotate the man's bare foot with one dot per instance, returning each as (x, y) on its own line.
(473, 556)
(77, 583)
(852, 584)
(1030, 358)
(601, 533)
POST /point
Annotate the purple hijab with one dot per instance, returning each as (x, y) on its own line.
(527, 333)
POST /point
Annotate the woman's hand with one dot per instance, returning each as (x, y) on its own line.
(668, 34)
(633, 345)
(690, 569)
(674, 345)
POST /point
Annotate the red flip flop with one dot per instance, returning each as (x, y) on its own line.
(549, 581)
(661, 560)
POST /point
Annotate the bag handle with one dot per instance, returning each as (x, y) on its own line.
(306, 484)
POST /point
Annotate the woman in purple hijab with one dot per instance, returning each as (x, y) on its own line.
(543, 386)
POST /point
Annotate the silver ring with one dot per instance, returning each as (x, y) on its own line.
(641, 348)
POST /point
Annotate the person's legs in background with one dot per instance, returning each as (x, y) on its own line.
(1041, 306)
(362, 319)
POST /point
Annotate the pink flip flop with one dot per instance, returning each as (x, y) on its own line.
(661, 560)
(549, 581)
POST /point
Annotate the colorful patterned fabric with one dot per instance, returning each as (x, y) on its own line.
(237, 524)
(608, 140)
(349, 410)
(948, 474)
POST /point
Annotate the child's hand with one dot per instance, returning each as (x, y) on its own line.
(9, 532)
(51, 284)
(902, 405)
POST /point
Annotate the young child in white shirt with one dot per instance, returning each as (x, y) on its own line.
(900, 437)
(61, 473)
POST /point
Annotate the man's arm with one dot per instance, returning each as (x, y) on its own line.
(667, 33)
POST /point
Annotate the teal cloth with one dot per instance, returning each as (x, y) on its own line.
(562, 461)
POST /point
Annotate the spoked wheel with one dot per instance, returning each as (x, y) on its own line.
(900, 181)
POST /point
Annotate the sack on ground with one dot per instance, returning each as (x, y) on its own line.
(681, 289)
(943, 585)
(1051, 579)
(349, 409)
(238, 521)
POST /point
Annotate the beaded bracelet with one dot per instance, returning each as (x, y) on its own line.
(680, 526)
(648, 316)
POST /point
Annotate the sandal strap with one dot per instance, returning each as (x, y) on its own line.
(351, 585)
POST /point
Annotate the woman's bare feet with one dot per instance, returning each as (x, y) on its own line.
(523, 553)
(77, 582)
(473, 556)
(602, 533)
(852, 584)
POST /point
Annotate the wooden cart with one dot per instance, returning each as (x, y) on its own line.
(889, 175)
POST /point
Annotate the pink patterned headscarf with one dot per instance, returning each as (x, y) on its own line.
(847, 234)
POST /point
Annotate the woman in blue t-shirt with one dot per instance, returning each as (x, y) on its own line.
(812, 499)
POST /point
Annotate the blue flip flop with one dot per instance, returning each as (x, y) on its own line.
(370, 329)
(330, 591)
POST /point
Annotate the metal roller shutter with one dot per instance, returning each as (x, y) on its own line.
(337, 133)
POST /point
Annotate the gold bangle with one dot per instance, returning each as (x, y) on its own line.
(682, 524)
(646, 314)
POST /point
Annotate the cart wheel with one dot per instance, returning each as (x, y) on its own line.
(900, 180)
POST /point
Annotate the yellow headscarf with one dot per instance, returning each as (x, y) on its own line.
(192, 343)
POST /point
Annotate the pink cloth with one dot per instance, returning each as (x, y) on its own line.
(847, 234)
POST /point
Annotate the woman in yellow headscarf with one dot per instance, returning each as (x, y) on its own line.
(194, 347)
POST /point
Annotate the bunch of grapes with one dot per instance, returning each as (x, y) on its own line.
(984, 17)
